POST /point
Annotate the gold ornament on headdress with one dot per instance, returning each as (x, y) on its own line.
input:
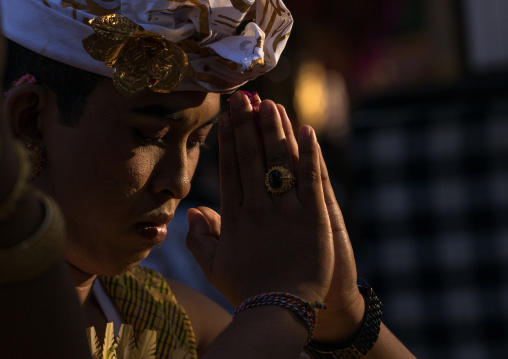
(140, 59)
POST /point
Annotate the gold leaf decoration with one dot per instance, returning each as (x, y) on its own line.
(147, 346)
(140, 59)
(125, 342)
(124, 347)
(93, 342)
(109, 346)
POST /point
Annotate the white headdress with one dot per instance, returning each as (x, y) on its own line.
(210, 45)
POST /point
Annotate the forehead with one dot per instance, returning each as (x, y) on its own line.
(105, 99)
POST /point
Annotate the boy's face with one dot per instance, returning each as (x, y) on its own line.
(121, 172)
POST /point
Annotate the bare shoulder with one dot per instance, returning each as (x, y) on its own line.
(207, 317)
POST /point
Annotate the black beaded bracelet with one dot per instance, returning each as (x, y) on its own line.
(364, 338)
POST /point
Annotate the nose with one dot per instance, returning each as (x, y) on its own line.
(173, 174)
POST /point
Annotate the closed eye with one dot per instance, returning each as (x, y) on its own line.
(197, 144)
(147, 140)
(198, 137)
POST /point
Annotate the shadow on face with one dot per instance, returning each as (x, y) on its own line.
(124, 167)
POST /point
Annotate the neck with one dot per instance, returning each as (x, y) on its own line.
(83, 282)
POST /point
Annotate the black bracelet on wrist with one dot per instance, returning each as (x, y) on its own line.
(364, 338)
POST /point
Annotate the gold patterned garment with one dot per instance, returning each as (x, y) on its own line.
(146, 302)
(227, 42)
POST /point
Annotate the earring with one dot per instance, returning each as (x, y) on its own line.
(36, 158)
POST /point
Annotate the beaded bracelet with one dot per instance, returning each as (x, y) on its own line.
(36, 254)
(304, 310)
(8, 206)
(363, 340)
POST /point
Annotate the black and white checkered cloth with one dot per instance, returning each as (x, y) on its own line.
(431, 212)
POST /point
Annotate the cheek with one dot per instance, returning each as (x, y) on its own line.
(194, 159)
(123, 171)
(96, 168)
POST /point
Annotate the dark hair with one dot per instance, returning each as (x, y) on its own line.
(71, 85)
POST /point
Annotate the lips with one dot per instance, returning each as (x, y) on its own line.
(155, 232)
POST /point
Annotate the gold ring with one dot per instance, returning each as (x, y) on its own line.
(279, 180)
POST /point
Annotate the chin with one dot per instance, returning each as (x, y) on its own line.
(111, 269)
(106, 267)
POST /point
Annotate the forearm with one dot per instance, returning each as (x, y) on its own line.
(264, 332)
(388, 346)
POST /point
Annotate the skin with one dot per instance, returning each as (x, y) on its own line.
(137, 170)
(123, 165)
(271, 235)
(122, 179)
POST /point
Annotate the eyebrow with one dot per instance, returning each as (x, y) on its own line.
(166, 113)
(158, 111)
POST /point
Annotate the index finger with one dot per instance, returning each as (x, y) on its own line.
(249, 149)
(310, 189)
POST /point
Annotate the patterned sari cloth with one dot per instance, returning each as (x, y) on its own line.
(145, 300)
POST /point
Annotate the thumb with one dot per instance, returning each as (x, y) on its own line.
(200, 239)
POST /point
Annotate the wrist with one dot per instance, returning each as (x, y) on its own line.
(339, 325)
(274, 316)
(303, 310)
(362, 341)
(304, 292)
(262, 332)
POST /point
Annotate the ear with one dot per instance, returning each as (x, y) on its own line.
(25, 106)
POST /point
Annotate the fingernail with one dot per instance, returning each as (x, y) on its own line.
(265, 110)
(237, 100)
(305, 132)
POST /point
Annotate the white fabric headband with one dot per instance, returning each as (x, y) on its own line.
(217, 58)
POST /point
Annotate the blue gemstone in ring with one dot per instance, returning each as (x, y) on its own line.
(275, 178)
(279, 180)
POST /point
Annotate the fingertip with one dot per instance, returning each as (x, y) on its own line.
(281, 109)
(196, 217)
(266, 108)
(306, 133)
(239, 100)
(286, 122)
(192, 214)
